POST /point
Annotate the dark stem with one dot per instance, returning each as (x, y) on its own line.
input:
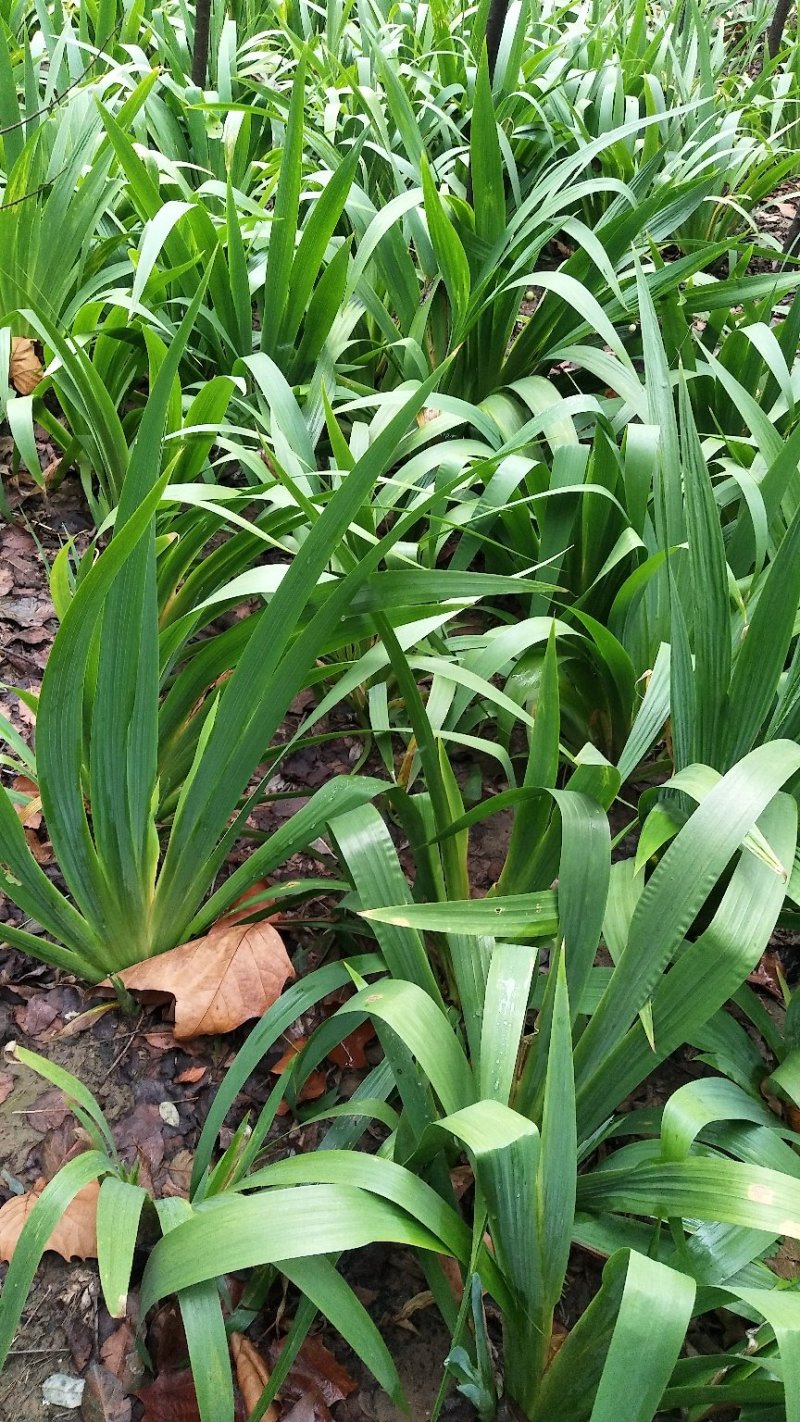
(793, 234)
(775, 31)
(202, 24)
(494, 31)
(772, 44)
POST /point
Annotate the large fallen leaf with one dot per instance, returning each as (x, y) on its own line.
(119, 1355)
(75, 1235)
(316, 1370)
(172, 1398)
(104, 1398)
(25, 368)
(253, 900)
(252, 1374)
(235, 972)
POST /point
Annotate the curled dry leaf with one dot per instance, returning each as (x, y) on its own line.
(25, 368)
(252, 1374)
(425, 1299)
(232, 974)
(75, 1235)
(558, 1338)
(30, 812)
(84, 1020)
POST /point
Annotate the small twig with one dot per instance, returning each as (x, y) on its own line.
(54, 103)
(125, 1049)
(7, 206)
(34, 1352)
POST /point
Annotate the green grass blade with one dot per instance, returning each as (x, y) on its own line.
(42, 1220)
(283, 227)
(119, 1210)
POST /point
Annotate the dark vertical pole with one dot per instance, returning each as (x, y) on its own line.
(202, 24)
(775, 31)
(772, 44)
(494, 31)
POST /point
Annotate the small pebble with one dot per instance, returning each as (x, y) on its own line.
(168, 1112)
(61, 1390)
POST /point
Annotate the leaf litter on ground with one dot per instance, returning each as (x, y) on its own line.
(75, 1235)
(219, 981)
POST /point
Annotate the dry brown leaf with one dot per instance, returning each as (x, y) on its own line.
(31, 812)
(75, 1235)
(33, 1018)
(786, 1261)
(232, 974)
(767, 977)
(252, 1374)
(292, 1052)
(163, 1041)
(452, 1273)
(42, 853)
(179, 1174)
(84, 1020)
(461, 1178)
(314, 1085)
(558, 1338)
(191, 1075)
(412, 1306)
(6, 1085)
(316, 1369)
(104, 1399)
(171, 1398)
(25, 369)
(334, 1381)
(350, 1052)
(121, 1357)
(242, 907)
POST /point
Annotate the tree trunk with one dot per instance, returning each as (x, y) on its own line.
(775, 31)
(494, 30)
(202, 23)
(772, 44)
(793, 235)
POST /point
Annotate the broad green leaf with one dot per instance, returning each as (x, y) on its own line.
(119, 1209)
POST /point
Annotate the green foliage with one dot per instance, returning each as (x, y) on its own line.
(474, 396)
